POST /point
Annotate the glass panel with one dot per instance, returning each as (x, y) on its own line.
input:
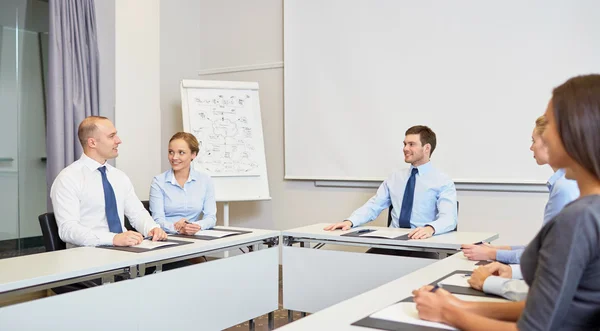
(23, 61)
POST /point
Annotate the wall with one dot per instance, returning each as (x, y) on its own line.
(200, 35)
(137, 94)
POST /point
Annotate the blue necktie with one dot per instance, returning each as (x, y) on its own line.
(407, 201)
(110, 204)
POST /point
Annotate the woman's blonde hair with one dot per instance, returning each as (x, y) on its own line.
(540, 124)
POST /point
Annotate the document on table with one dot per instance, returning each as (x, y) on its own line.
(456, 280)
(406, 312)
(215, 233)
(382, 234)
(149, 244)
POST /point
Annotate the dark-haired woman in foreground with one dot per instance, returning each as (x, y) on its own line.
(562, 263)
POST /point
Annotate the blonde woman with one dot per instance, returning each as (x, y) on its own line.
(180, 195)
(562, 192)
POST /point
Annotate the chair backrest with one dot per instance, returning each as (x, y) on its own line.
(128, 225)
(390, 215)
(52, 240)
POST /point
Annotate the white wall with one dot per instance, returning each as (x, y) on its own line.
(201, 34)
(137, 94)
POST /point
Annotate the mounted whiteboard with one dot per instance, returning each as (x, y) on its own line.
(225, 118)
(358, 73)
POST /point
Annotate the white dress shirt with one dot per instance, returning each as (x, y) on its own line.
(78, 200)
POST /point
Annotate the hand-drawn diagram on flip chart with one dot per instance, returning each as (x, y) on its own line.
(223, 122)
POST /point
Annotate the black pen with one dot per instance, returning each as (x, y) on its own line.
(479, 243)
(435, 288)
(363, 231)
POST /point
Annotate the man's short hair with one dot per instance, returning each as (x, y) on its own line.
(87, 127)
(426, 135)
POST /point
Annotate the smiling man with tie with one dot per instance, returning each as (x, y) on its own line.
(423, 198)
(90, 197)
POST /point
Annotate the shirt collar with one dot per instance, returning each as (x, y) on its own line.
(171, 177)
(560, 173)
(423, 168)
(92, 164)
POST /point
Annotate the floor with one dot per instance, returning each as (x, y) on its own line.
(11, 252)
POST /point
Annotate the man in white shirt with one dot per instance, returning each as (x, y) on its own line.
(90, 197)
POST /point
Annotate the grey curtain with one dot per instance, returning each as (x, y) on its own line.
(72, 85)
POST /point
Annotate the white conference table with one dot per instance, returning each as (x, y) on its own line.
(212, 295)
(339, 317)
(314, 279)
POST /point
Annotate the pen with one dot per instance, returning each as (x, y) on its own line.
(479, 243)
(435, 288)
(363, 231)
(148, 238)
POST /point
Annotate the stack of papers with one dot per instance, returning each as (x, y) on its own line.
(406, 312)
(382, 234)
(215, 233)
(149, 244)
(461, 280)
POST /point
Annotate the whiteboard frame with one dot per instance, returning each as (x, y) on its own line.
(230, 85)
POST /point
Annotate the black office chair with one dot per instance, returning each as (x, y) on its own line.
(52, 240)
(390, 216)
(128, 225)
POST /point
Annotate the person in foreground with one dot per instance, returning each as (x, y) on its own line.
(562, 192)
(90, 197)
(562, 263)
(422, 197)
(180, 195)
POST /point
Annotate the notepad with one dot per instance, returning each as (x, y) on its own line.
(149, 244)
(382, 234)
(406, 312)
(461, 280)
(215, 233)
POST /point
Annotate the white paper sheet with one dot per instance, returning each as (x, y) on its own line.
(406, 312)
(479, 299)
(457, 280)
(215, 233)
(149, 244)
(383, 234)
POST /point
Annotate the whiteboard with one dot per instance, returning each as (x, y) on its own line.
(358, 73)
(225, 118)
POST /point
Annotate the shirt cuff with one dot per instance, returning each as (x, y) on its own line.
(433, 227)
(204, 224)
(516, 271)
(354, 221)
(494, 285)
(503, 255)
(106, 238)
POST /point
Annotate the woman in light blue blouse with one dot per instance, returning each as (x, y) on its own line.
(562, 191)
(180, 195)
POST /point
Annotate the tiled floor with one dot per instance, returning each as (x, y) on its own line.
(25, 251)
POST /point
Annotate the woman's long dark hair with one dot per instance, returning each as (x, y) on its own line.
(576, 106)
